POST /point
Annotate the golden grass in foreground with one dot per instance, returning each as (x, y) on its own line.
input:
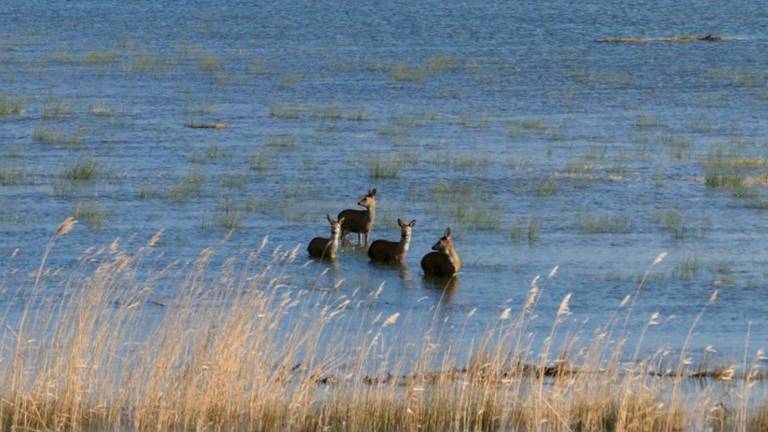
(238, 348)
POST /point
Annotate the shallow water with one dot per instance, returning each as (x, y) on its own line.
(486, 117)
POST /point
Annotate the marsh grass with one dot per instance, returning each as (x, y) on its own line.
(10, 105)
(602, 223)
(260, 161)
(334, 113)
(387, 168)
(101, 57)
(238, 349)
(687, 267)
(527, 229)
(82, 171)
(678, 226)
(185, 187)
(286, 112)
(91, 214)
(434, 65)
(102, 109)
(10, 176)
(469, 120)
(477, 216)
(679, 144)
(45, 135)
(227, 216)
(145, 62)
(545, 187)
(469, 163)
(281, 143)
(647, 121)
(234, 181)
(57, 109)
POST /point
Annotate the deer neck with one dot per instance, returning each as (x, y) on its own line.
(405, 243)
(333, 245)
(453, 257)
(371, 212)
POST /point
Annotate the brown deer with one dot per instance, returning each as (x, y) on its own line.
(445, 262)
(389, 252)
(360, 221)
(326, 248)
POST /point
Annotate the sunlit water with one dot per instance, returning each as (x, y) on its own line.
(508, 122)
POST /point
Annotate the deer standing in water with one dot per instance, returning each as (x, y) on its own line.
(360, 221)
(326, 248)
(445, 261)
(390, 252)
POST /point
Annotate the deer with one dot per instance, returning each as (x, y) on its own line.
(360, 221)
(389, 252)
(445, 261)
(326, 248)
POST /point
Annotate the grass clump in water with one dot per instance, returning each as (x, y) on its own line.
(9, 105)
(287, 112)
(390, 168)
(57, 109)
(546, 187)
(82, 171)
(44, 135)
(10, 177)
(186, 187)
(602, 224)
(404, 73)
(101, 57)
(687, 268)
(646, 121)
(102, 110)
(526, 229)
(91, 214)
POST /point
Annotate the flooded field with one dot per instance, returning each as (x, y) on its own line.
(588, 138)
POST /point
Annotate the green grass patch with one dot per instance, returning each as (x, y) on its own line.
(602, 224)
(10, 177)
(286, 112)
(57, 109)
(101, 110)
(389, 168)
(646, 121)
(405, 73)
(687, 268)
(44, 135)
(186, 187)
(101, 57)
(82, 171)
(281, 143)
(476, 216)
(526, 229)
(10, 105)
(234, 181)
(91, 214)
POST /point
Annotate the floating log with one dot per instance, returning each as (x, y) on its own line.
(207, 125)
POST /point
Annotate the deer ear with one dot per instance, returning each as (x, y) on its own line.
(373, 192)
(341, 220)
(329, 218)
(400, 222)
(448, 232)
(413, 223)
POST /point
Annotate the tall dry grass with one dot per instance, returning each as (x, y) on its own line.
(238, 348)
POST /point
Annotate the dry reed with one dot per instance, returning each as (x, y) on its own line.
(238, 347)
